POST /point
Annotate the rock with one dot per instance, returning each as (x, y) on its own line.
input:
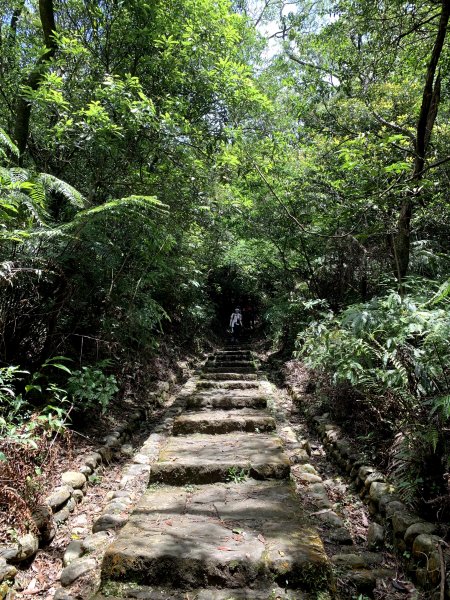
(376, 476)
(127, 450)
(348, 561)
(393, 507)
(78, 496)
(385, 500)
(61, 594)
(76, 569)
(343, 447)
(96, 541)
(86, 470)
(8, 553)
(308, 478)
(375, 536)
(434, 569)
(377, 490)
(28, 546)
(62, 515)
(71, 503)
(59, 497)
(106, 522)
(73, 551)
(74, 479)
(424, 545)
(43, 519)
(5, 591)
(141, 459)
(135, 470)
(417, 529)
(6, 571)
(106, 454)
(307, 468)
(93, 460)
(122, 494)
(340, 536)
(401, 520)
(365, 580)
(115, 507)
(330, 518)
(364, 471)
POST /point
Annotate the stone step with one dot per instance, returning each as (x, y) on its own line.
(229, 376)
(225, 400)
(220, 421)
(226, 369)
(233, 385)
(202, 459)
(233, 355)
(120, 591)
(230, 363)
(226, 536)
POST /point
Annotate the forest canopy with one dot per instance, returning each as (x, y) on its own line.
(156, 157)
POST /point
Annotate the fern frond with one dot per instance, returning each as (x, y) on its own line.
(130, 203)
(7, 142)
(51, 183)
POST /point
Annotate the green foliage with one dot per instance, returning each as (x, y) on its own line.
(394, 347)
(90, 388)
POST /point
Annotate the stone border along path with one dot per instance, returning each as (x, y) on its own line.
(417, 542)
(61, 504)
(220, 519)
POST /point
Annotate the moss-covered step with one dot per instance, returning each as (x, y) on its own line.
(224, 535)
(220, 421)
(121, 591)
(230, 384)
(225, 376)
(201, 459)
(213, 369)
(226, 400)
(230, 363)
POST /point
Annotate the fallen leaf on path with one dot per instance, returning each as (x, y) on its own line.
(168, 523)
(224, 548)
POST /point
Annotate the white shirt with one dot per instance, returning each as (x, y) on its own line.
(235, 319)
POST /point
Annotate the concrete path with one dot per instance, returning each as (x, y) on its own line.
(221, 519)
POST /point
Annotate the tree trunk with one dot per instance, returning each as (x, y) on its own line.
(427, 117)
(23, 110)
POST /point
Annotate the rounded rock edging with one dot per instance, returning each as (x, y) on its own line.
(411, 535)
(61, 501)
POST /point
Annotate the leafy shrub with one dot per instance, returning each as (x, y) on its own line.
(399, 348)
(90, 388)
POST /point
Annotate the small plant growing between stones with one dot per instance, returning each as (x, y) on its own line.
(236, 474)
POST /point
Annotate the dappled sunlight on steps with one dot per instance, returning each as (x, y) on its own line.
(221, 519)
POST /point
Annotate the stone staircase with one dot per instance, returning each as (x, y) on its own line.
(220, 519)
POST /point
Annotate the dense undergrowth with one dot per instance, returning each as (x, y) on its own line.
(386, 362)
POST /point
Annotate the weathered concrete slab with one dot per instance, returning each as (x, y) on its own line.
(223, 535)
(219, 421)
(225, 376)
(235, 385)
(226, 400)
(200, 459)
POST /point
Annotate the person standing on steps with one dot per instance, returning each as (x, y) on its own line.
(235, 324)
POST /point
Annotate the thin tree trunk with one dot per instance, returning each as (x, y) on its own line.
(23, 111)
(427, 117)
